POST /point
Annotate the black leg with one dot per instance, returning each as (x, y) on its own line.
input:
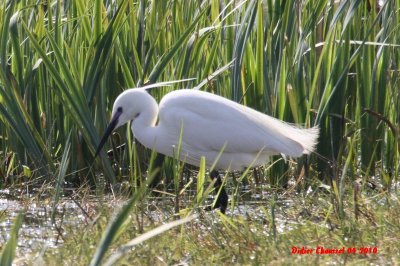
(222, 199)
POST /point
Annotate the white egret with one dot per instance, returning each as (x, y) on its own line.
(233, 135)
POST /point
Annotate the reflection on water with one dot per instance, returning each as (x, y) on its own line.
(39, 231)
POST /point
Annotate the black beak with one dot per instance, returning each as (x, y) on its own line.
(109, 130)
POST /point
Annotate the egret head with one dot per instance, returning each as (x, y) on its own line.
(127, 107)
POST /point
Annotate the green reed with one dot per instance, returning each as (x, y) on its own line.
(308, 62)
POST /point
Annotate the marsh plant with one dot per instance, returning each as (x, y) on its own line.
(328, 63)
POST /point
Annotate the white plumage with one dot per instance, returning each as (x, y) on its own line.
(211, 126)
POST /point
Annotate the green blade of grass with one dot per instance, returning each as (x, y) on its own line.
(166, 58)
(61, 175)
(122, 250)
(114, 227)
(240, 44)
(8, 253)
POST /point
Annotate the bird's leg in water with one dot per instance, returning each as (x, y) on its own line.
(222, 197)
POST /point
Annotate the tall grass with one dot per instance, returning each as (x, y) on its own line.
(308, 62)
(328, 63)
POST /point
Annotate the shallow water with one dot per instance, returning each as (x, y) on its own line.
(41, 229)
(40, 232)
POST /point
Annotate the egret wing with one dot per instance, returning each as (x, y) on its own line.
(211, 122)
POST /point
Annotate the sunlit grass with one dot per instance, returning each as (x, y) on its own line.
(328, 63)
(245, 236)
